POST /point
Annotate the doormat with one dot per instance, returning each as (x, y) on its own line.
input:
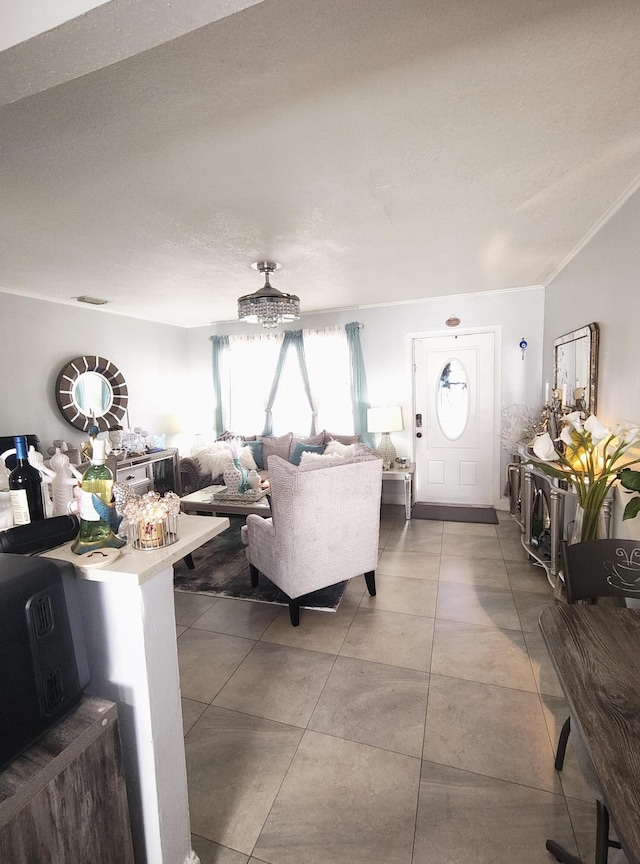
(452, 513)
(222, 570)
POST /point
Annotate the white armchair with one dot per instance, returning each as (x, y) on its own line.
(324, 527)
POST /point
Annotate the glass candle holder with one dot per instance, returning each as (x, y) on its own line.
(153, 534)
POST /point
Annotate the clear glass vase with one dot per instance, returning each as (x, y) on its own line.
(587, 525)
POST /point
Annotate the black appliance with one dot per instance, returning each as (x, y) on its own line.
(39, 536)
(43, 662)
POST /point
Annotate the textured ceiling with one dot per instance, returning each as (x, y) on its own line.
(381, 151)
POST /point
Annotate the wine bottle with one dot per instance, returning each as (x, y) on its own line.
(95, 531)
(25, 487)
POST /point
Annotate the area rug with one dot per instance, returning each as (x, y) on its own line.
(222, 570)
(452, 513)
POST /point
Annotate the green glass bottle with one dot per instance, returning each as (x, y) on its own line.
(95, 530)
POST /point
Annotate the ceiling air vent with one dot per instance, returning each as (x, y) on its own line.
(92, 301)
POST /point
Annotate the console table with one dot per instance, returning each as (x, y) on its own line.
(149, 472)
(594, 650)
(558, 505)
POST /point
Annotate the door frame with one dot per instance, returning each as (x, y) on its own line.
(496, 329)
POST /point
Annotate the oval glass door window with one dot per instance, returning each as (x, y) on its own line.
(452, 400)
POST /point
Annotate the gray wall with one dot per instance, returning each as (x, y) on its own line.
(601, 284)
(37, 338)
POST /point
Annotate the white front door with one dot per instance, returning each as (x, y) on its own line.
(454, 424)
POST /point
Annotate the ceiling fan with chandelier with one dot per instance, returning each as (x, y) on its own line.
(268, 306)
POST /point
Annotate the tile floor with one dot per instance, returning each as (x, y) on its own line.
(416, 727)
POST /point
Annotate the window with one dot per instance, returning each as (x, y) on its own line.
(452, 400)
(248, 373)
(327, 354)
(249, 367)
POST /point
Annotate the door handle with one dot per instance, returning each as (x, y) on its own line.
(418, 421)
(418, 434)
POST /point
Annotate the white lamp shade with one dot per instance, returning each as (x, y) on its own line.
(384, 419)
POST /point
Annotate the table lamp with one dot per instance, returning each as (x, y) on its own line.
(384, 421)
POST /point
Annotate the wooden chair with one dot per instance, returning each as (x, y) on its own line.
(595, 569)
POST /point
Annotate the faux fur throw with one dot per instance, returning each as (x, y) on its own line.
(320, 459)
(336, 448)
(218, 456)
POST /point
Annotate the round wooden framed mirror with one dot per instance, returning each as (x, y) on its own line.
(91, 391)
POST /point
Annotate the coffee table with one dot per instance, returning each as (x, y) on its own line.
(203, 503)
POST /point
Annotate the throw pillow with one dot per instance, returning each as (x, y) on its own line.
(218, 456)
(301, 448)
(319, 460)
(246, 459)
(275, 447)
(343, 439)
(214, 458)
(256, 450)
(310, 439)
(336, 448)
(315, 440)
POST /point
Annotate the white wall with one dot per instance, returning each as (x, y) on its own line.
(386, 346)
(601, 284)
(38, 338)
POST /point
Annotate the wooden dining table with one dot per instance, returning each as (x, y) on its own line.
(596, 653)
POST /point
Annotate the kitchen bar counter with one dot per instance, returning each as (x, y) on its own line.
(137, 566)
(129, 622)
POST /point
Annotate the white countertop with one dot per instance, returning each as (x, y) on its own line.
(136, 566)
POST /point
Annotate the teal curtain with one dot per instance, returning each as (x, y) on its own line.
(292, 338)
(268, 419)
(298, 341)
(219, 344)
(359, 394)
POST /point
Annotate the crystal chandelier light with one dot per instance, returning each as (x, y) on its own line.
(268, 306)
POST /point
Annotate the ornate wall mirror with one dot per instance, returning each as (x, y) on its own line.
(576, 367)
(91, 391)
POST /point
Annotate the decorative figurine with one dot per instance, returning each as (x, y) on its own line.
(65, 478)
(36, 460)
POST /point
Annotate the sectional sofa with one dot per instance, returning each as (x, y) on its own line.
(205, 465)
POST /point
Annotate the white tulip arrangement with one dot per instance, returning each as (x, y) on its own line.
(591, 462)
